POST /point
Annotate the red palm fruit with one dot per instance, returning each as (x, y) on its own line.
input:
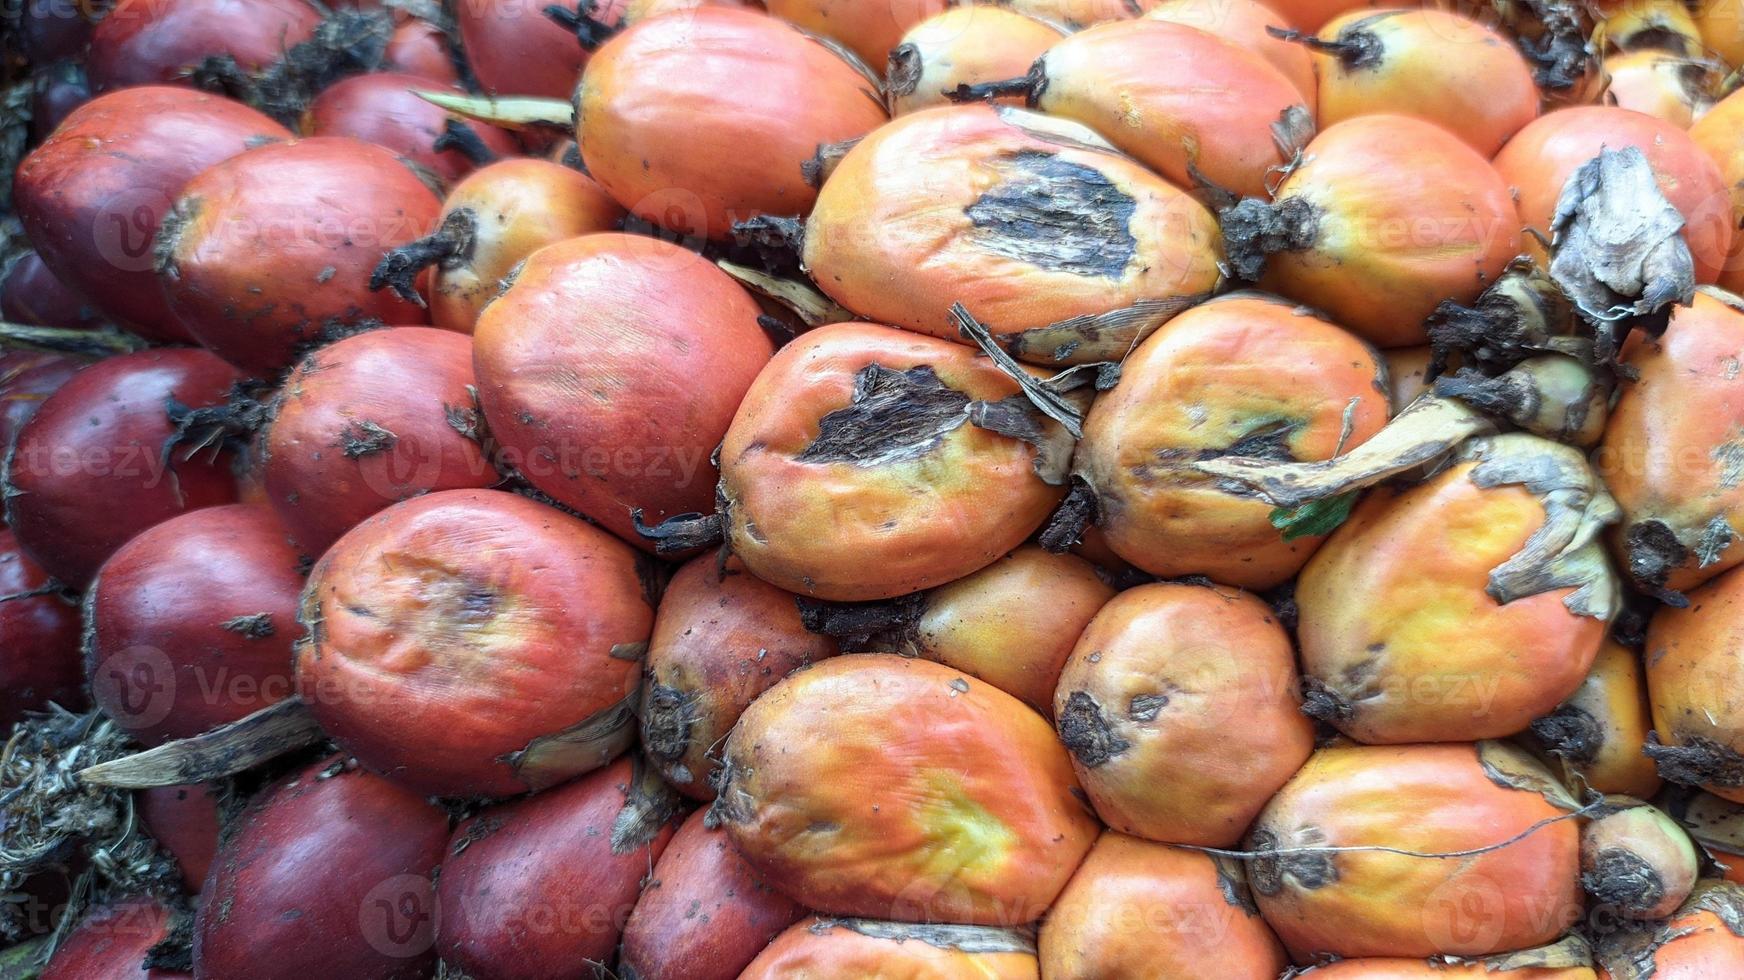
(514, 49)
(1192, 106)
(1139, 909)
(493, 220)
(265, 251)
(1071, 253)
(112, 942)
(30, 293)
(822, 947)
(506, 635)
(184, 821)
(150, 42)
(1244, 23)
(1505, 628)
(1180, 708)
(1692, 676)
(1672, 87)
(533, 888)
(383, 108)
(93, 195)
(1598, 732)
(27, 378)
(95, 465)
(418, 47)
(697, 120)
(1430, 799)
(1493, 968)
(1247, 375)
(1636, 861)
(935, 798)
(721, 638)
(1701, 942)
(1387, 217)
(330, 870)
(39, 639)
(578, 405)
(1669, 448)
(852, 470)
(704, 914)
(1717, 133)
(1538, 161)
(189, 625)
(373, 419)
(869, 30)
(1437, 66)
(962, 46)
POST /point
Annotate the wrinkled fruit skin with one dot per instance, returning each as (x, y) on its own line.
(851, 473)
(696, 121)
(1693, 675)
(719, 641)
(367, 422)
(360, 906)
(190, 624)
(267, 251)
(610, 371)
(821, 947)
(531, 888)
(1244, 374)
(89, 471)
(1180, 708)
(1427, 798)
(1138, 909)
(184, 821)
(705, 914)
(39, 640)
(111, 943)
(935, 799)
(513, 628)
(92, 196)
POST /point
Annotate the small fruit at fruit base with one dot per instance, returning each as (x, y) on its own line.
(855, 468)
(704, 913)
(962, 46)
(698, 120)
(369, 421)
(829, 947)
(1432, 799)
(1068, 251)
(721, 637)
(1244, 23)
(383, 108)
(1245, 374)
(1668, 448)
(1692, 679)
(1598, 731)
(869, 30)
(190, 624)
(1699, 942)
(327, 873)
(533, 887)
(1180, 706)
(1137, 908)
(475, 643)
(609, 371)
(153, 42)
(113, 940)
(39, 639)
(1434, 65)
(270, 250)
(934, 798)
(1465, 606)
(96, 464)
(184, 822)
(1637, 862)
(1386, 218)
(93, 195)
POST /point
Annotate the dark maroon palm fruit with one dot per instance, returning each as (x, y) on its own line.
(184, 822)
(514, 49)
(270, 250)
(26, 379)
(93, 195)
(39, 639)
(112, 942)
(704, 915)
(57, 90)
(383, 108)
(326, 874)
(536, 888)
(31, 294)
(418, 47)
(369, 421)
(90, 469)
(51, 30)
(189, 625)
(152, 42)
